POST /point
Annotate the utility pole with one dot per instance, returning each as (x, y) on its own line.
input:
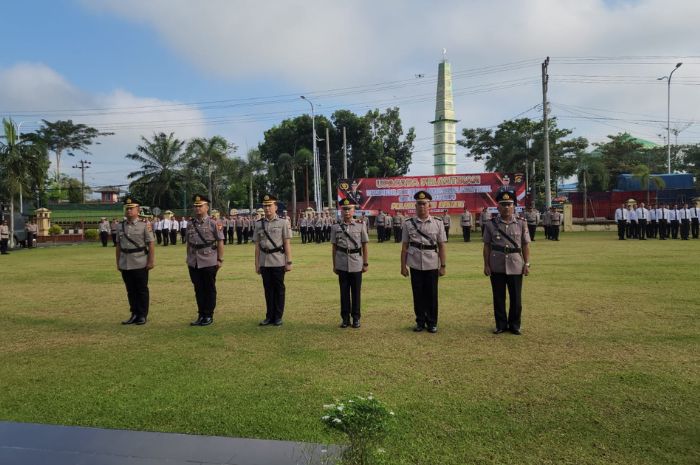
(345, 155)
(328, 170)
(545, 123)
(84, 164)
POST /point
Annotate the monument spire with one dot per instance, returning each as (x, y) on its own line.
(444, 126)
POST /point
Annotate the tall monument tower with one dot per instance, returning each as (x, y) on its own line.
(444, 126)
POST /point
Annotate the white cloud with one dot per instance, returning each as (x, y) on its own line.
(34, 91)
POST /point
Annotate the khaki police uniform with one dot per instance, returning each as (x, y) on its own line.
(465, 221)
(423, 260)
(272, 262)
(532, 217)
(204, 249)
(104, 228)
(4, 238)
(506, 264)
(348, 262)
(134, 244)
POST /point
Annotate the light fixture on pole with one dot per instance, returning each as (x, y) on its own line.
(317, 170)
(668, 115)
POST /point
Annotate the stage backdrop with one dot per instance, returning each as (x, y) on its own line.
(451, 193)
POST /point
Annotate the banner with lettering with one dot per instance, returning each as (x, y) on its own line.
(451, 192)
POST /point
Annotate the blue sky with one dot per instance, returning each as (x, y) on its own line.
(133, 60)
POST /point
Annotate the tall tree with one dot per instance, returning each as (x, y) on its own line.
(66, 136)
(208, 158)
(646, 179)
(159, 180)
(23, 165)
(515, 144)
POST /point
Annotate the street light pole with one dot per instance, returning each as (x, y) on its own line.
(317, 170)
(668, 115)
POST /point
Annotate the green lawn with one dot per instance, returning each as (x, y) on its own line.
(606, 371)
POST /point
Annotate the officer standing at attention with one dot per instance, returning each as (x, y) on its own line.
(349, 253)
(205, 255)
(484, 217)
(642, 219)
(447, 222)
(423, 251)
(135, 257)
(273, 258)
(532, 217)
(466, 222)
(555, 218)
(695, 220)
(104, 231)
(621, 220)
(4, 237)
(398, 224)
(379, 222)
(506, 260)
(113, 226)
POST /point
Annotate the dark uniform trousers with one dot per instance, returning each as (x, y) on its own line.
(3, 245)
(642, 229)
(104, 237)
(467, 233)
(514, 283)
(674, 228)
(663, 229)
(397, 233)
(114, 238)
(159, 236)
(183, 235)
(318, 234)
(166, 236)
(685, 229)
(425, 296)
(532, 229)
(273, 283)
(173, 236)
(230, 235)
(652, 228)
(621, 227)
(136, 282)
(350, 290)
(239, 234)
(204, 281)
(554, 232)
(695, 227)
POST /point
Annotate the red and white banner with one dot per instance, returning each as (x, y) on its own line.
(451, 193)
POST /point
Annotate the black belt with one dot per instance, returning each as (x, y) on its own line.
(202, 246)
(505, 249)
(421, 246)
(271, 251)
(137, 249)
(348, 251)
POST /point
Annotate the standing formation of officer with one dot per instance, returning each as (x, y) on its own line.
(135, 256)
(103, 228)
(423, 253)
(349, 254)
(660, 222)
(273, 258)
(205, 256)
(506, 261)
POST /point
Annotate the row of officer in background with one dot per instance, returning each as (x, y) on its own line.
(316, 227)
(660, 221)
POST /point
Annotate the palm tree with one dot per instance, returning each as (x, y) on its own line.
(291, 163)
(643, 174)
(160, 176)
(210, 154)
(590, 170)
(23, 165)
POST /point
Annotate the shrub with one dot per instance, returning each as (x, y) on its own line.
(55, 230)
(365, 420)
(92, 234)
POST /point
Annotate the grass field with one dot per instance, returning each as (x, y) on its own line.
(606, 371)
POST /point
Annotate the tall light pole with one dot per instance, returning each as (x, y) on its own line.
(317, 170)
(668, 115)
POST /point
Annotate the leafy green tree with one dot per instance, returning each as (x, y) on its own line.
(66, 136)
(160, 178)
(388, 154)
(643, 174)
(689, 161)
(591, 174)
(515, 144)
(208, 160)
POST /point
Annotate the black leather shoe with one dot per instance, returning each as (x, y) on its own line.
(515, 331)
(277, 322)
(265, 322)
(131, 320)
(197, 322)
(356, 324)
(498, 331)
(140, 320)
(432, 329)
(206, 321)
(344, 324)
(418, 328)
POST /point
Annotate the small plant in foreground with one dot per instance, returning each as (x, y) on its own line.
(366, 421)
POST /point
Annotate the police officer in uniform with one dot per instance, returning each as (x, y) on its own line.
(555, 218)
(423, 252)
(205, 255)
(273, 258)
(398, 224)
(532, 217)
(349, 253)
(695, 220)
(466, 222)
(506, 261)
(104, 231)
(4, 237)
(135, 255)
